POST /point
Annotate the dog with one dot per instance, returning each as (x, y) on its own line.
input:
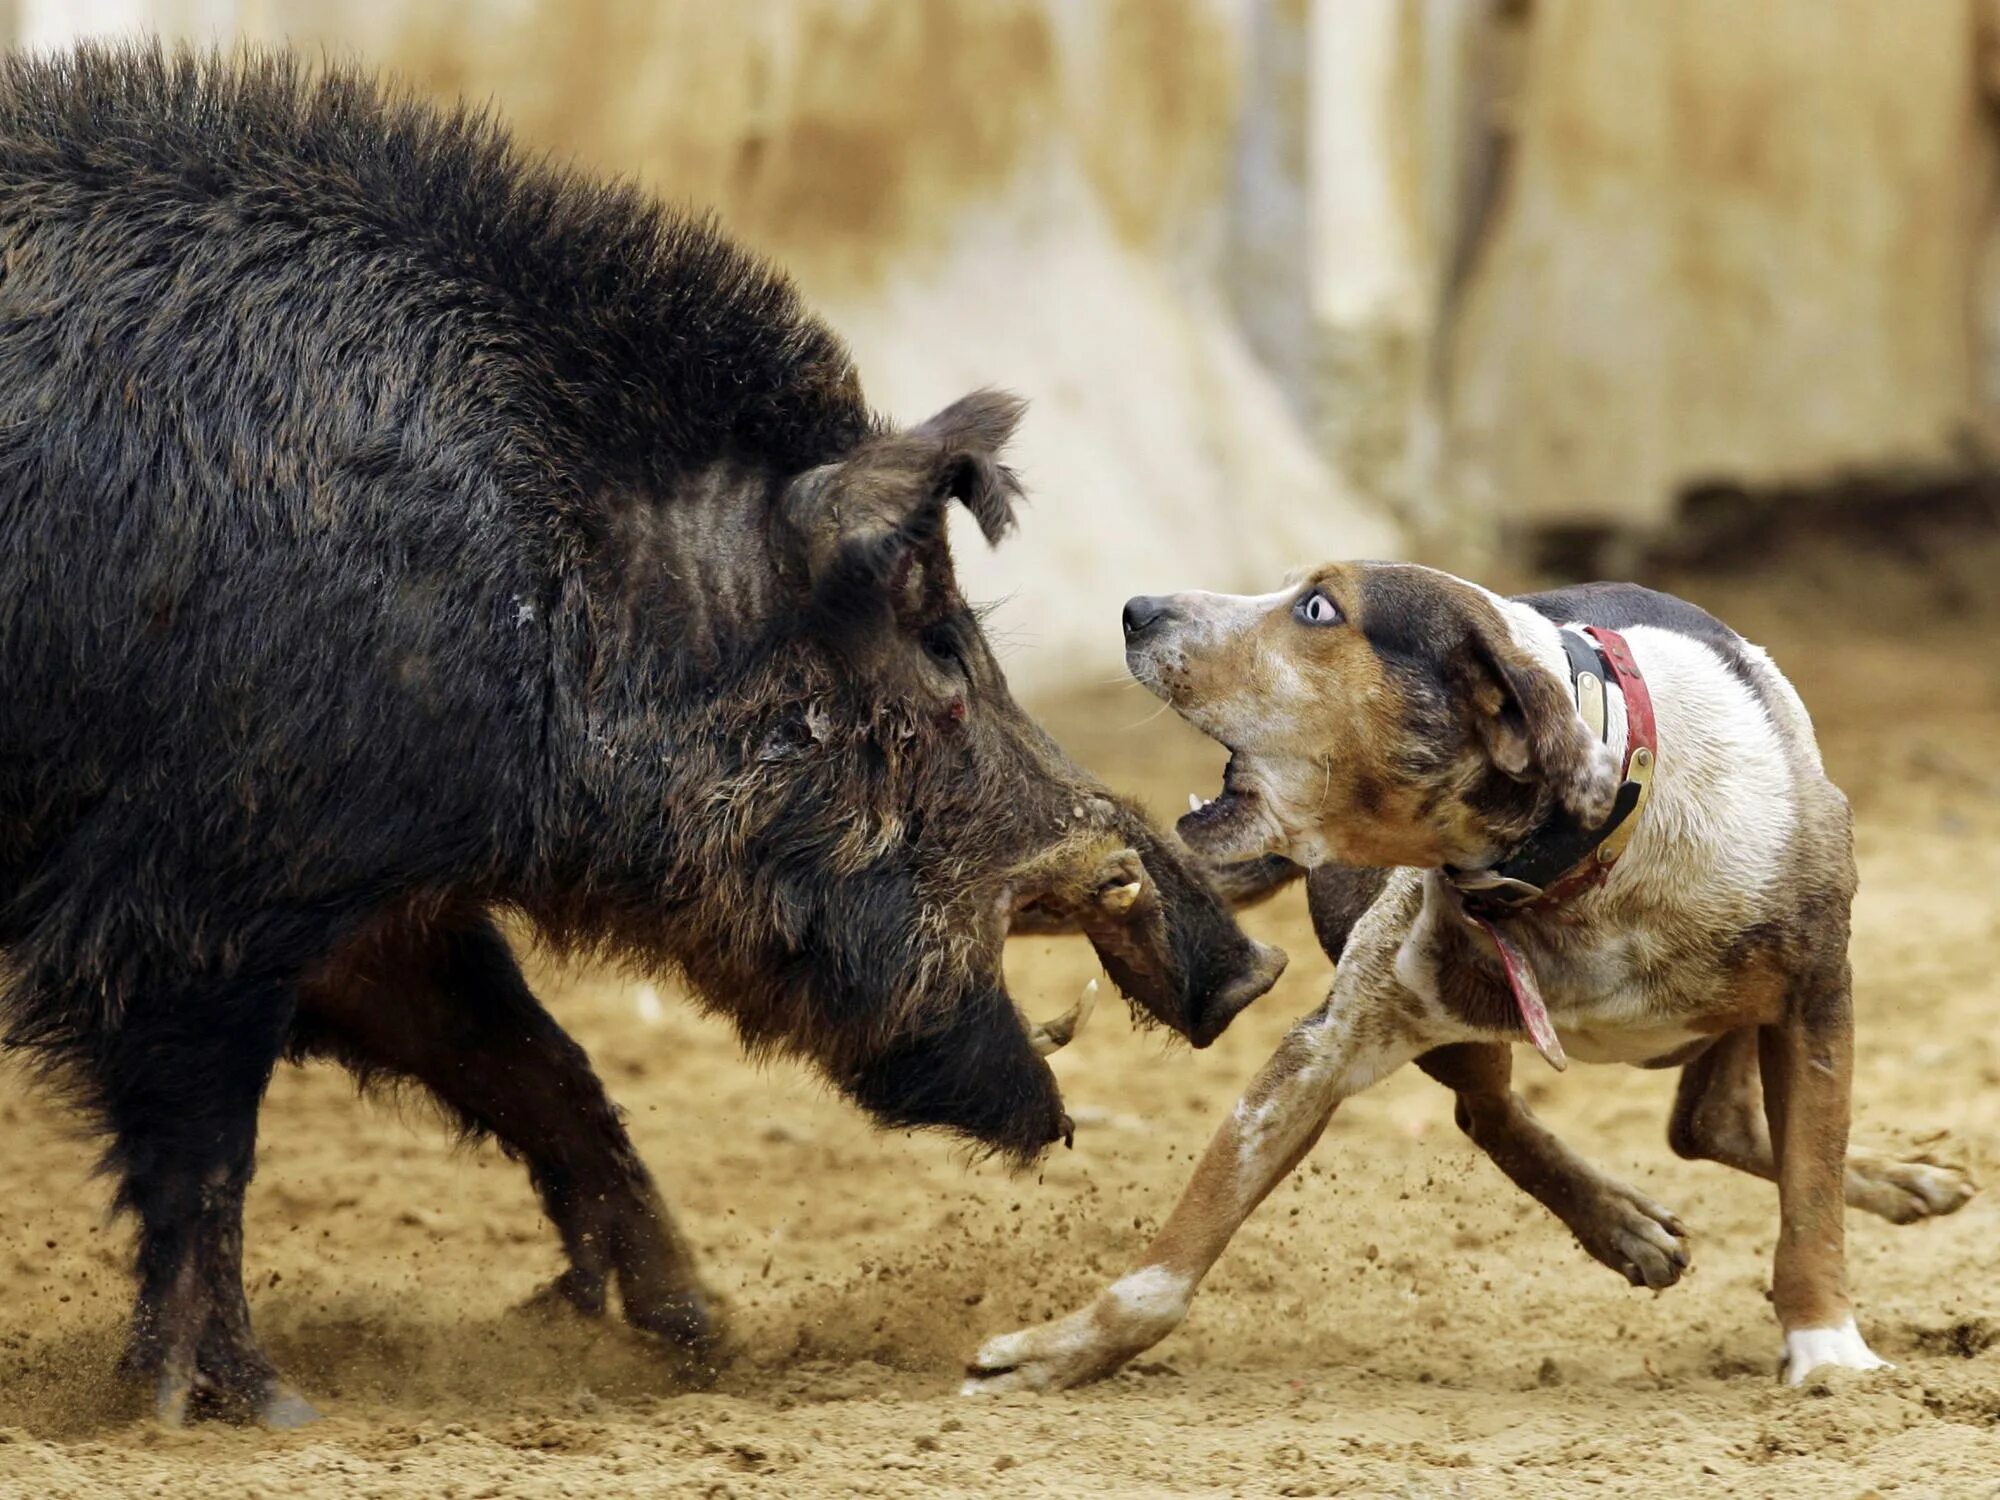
(1594, 819)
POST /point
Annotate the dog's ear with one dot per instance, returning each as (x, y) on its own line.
(1529, 726)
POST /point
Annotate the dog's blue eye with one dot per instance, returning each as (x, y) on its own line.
(1317, 609)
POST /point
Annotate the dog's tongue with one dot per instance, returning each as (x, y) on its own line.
(1527, 995)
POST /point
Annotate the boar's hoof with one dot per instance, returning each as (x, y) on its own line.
(284, 1409)
(682, 1321)
(576, 1290)
(173, 1392)
(681, 1318)
(232, 1388)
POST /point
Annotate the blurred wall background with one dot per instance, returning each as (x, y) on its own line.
(1291, 279)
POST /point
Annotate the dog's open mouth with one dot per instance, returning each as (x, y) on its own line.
(1233, 824)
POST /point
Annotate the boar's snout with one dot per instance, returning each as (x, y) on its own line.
(1257, 969)
(1194, 967)
(975, 1073)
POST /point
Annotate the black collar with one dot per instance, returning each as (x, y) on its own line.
(1528, 876)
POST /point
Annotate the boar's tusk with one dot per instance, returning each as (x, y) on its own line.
(1120, 899)
(1047, 1036)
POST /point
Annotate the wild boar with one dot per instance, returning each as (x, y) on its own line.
(395, 533)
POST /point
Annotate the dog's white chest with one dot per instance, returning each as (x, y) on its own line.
(1602, 1005)
(1623, 1044)
(1597, 993)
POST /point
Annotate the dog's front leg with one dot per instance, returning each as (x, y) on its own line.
(1336, 1051)
(1623, 1228)
(1806, 1059)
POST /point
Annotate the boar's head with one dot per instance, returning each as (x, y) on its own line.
(869, 810)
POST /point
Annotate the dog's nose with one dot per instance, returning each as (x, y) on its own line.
(1141, 612)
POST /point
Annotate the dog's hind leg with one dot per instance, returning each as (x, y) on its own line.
(1719, 1116)
(1806, 1062)
(1624, 1229)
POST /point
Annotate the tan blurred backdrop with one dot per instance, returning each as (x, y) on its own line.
(1289, 279)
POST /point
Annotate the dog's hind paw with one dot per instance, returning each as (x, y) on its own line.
(1841, 1348)
(1904, 1191)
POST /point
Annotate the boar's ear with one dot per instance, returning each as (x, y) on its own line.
(970, 434)
(859, 524)
(1530, 728)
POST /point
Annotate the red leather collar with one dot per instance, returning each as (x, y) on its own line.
(1642, 745)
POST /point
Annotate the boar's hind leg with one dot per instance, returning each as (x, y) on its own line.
(179, 1083)
(446, 1006)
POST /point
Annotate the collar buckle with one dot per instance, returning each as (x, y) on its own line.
(1638, 773)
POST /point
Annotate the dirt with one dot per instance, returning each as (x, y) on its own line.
(1397, 1320)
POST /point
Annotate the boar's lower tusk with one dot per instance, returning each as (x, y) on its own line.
(1120, 899)
(1047, 1036)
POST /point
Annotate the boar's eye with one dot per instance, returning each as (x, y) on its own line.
(1316, 609)
(942, 647)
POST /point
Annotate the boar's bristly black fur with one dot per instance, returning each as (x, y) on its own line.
(394, 531)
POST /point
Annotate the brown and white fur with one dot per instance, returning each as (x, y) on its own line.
(1410, 720)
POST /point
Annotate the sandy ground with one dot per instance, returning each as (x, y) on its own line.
(1396, 1321)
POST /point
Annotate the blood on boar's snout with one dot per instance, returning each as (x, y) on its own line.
(393, 531)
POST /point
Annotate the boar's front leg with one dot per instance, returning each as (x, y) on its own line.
(445, 1005)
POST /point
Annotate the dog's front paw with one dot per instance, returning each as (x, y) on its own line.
(1130, 1317)
(1627, 1231)
(1051, 1357)
(1840, 1347)
(1905, 1191)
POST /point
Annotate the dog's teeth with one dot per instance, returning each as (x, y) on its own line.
(1195, 804)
